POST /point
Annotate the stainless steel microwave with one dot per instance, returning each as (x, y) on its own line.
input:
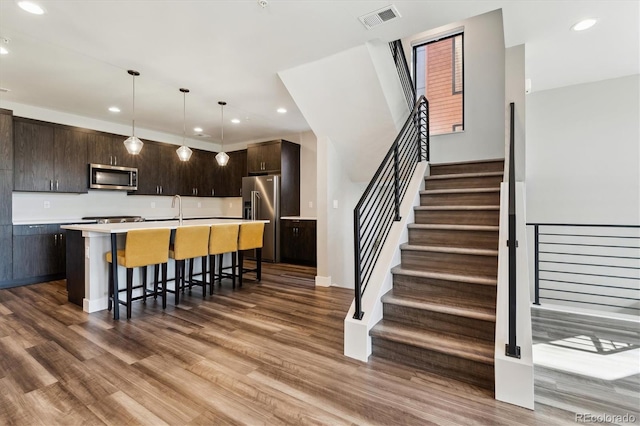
(102, 176)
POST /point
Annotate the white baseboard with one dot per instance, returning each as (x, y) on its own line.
(94, 305)
(323, 281)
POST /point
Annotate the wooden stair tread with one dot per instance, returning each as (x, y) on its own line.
(463, 175)
(399, 270)
(460, 163)
(459, 346)
(458, 191)
(456, 208)
(442, 304)
(453, 227)
(452, 250)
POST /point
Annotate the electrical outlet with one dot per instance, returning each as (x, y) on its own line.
(47, 205)
(153, 204)
(230, 205)
(199, 204)
(310, 204)
(335, 204)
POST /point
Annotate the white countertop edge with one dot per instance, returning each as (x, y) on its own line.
(79, 221)
(120, 228)
(298, 218)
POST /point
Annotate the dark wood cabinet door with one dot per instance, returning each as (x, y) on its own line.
(254, 159)
(109, 149)
(148, 164)
(206, 173)
(70, 160)
(6, 187)
(38, 251)
(237, 170)
(306, 235)
(271, 157)
(288, 241)
(169, 169)
(33, 156)
(6, 252)
(6, 140)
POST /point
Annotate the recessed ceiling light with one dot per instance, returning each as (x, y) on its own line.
(585, 24)
(114, 109)
(31, 7)
(282, 110)
(235, 120)
(197, 129)
(3, 50)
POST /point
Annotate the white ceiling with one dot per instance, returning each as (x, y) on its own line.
(74, 58)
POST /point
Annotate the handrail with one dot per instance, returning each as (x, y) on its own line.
(591, 265)
(512, 349)
(403, 72)
(379, 205)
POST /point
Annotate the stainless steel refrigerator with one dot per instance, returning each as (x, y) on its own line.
(261, 200)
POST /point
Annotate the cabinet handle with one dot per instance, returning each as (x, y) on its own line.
(115, 160)
(60, 238)
(50, 184)
(161, 189)
(55, 240)
(111, 160)
(196, 191)
(36, 226)
(56, 184)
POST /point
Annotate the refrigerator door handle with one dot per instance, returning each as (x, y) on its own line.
(255, 197)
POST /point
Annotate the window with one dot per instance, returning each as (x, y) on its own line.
(439, 75)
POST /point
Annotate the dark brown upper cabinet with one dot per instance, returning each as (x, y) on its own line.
(49, 158)
(158, 169)
(6, 140)
(228, 179)
(109, 149)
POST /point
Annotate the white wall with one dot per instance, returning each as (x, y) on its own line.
(583, 153)
(484, 90)
(515, 92)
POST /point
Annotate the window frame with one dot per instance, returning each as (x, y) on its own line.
(424, 42)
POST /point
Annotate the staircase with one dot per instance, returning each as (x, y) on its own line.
(440, 314)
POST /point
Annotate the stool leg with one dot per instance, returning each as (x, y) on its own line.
(129, 291)
(233, 269)
(212, 272)
(190, 274)
(164, 286)
(144, 284)
(183, 268)
(240, 267)
(177, 279)
(204, 275)
(259, 263)
(110, 301)
(220, 259)
(156, 270)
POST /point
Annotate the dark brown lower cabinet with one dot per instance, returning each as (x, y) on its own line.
(6, 254)
(38, 251)
(298, 242)
(75, 266)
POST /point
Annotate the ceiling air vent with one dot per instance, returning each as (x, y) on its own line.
(379, 16)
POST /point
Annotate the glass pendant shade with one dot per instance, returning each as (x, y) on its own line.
(184, 153)
(222, 158)
(133, 145)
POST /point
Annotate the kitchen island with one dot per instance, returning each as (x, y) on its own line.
(98, 239)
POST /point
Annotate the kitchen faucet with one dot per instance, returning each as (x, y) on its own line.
(173, 204)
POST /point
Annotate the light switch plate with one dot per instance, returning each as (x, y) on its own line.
(199, 204)
(47, 205)
(153, 204)
(310, 204)
(335, 204)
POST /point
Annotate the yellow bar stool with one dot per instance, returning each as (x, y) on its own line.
(190, 242)
(223, 239)
(142, 248)
(250, 237)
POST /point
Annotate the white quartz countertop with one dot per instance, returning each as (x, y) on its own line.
(80, 221)
(119, 228)
(298, 218)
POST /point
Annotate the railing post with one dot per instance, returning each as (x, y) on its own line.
(426, 129)
(358, 314)
(536, 263)
(396, 181)
(512, 349)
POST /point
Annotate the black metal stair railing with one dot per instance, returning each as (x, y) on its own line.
(400, 60)
(512, 349)
(379, 206)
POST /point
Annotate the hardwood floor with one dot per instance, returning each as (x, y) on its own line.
(268, 353)
(586, 364)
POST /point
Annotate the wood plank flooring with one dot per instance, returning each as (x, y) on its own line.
(269, 353)
(586, 364)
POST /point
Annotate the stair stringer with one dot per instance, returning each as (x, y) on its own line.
(357, 342)
(513, 376)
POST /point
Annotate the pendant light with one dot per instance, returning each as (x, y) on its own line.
(222, 158)
(133, 144)
(184, 153)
